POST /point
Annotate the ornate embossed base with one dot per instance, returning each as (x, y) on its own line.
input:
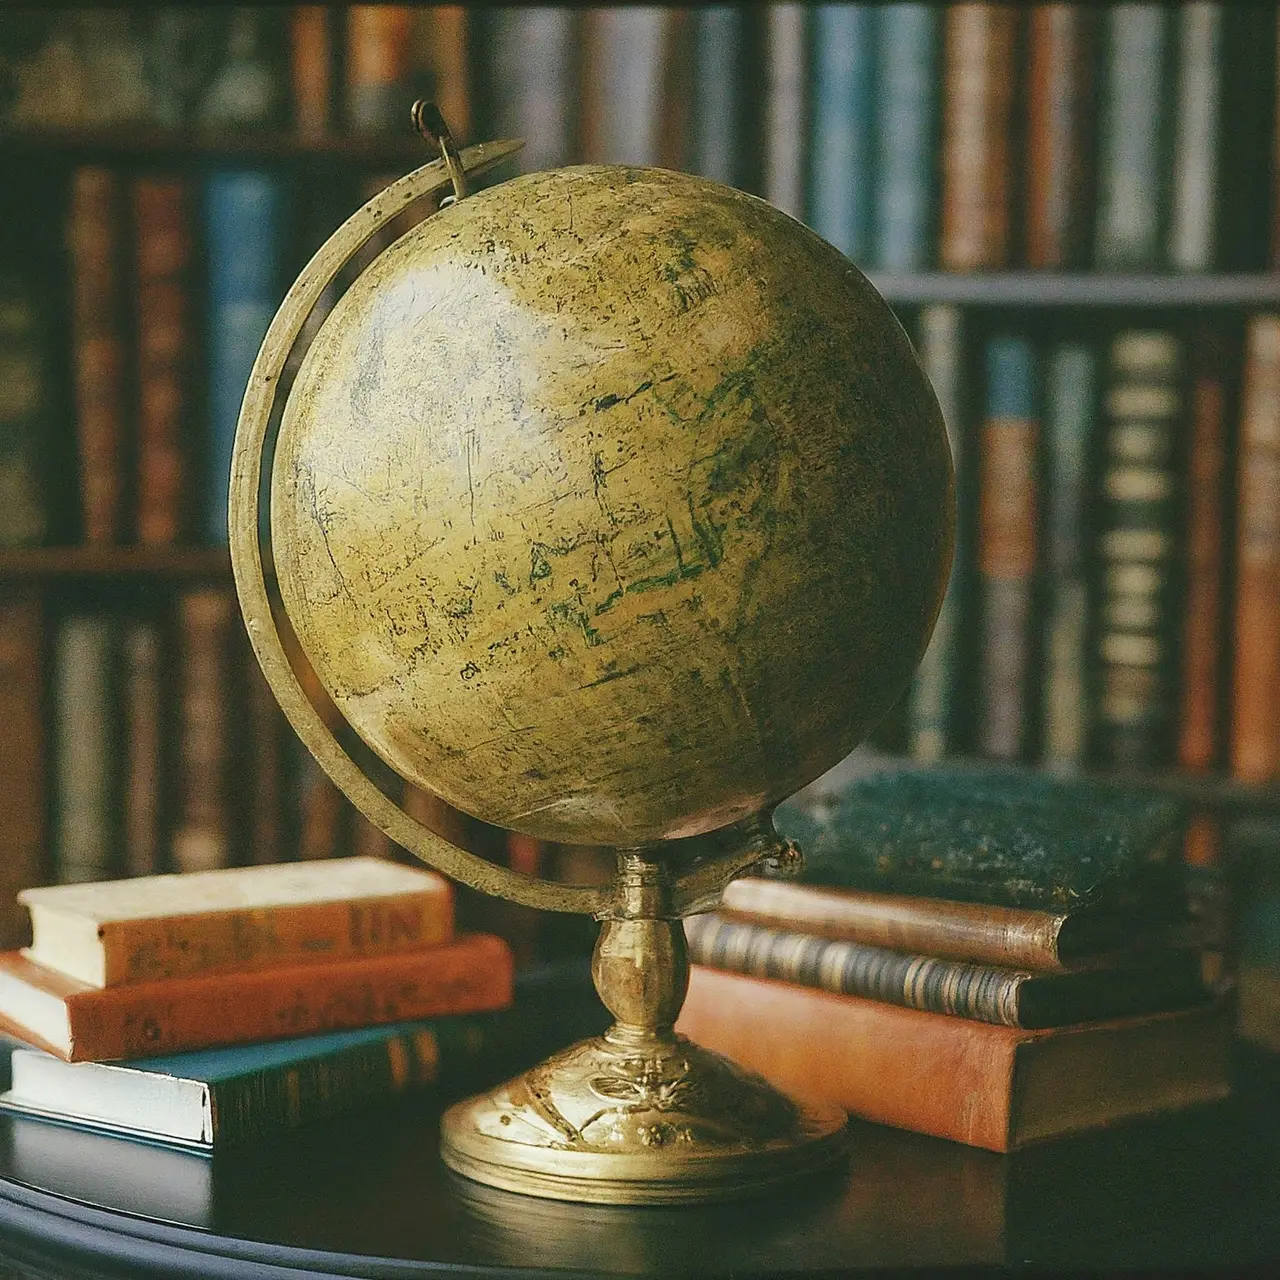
(632, 1119)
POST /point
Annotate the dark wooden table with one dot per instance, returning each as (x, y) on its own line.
(368, 1196)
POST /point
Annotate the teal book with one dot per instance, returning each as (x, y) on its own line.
(906, 134)
(244, 224)
(717, 124)
(841, 81)
(997, 835)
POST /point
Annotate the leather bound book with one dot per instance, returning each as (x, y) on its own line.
(27, 390)
(94, 241)
(996, 1087)
(1008, 517)
(162, 258)
(1255, 727)
(145, 795)
(1201, 695)
(377, 65)
(979, 75)
(80, 1023)
(1060, 61)
(310, 69)
(22, 754)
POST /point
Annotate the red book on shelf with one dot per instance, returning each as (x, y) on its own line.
(309, 66)
(98, 348)
(439, 55)
(162, 240)
(976, 127)
(81, 1023)
(378, 37)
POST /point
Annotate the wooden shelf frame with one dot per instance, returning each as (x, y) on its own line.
(1083, 289)
(104, 563)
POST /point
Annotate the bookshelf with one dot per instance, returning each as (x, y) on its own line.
(753, 96)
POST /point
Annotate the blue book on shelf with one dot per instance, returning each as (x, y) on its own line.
(244, 224)
(906, 128)
(840, 133)
(716, 126)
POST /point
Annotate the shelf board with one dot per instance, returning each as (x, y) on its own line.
(1080, 289)
(35, 564)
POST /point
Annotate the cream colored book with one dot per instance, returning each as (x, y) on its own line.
(178, 926)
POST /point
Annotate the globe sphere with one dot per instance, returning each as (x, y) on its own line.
(612, 505)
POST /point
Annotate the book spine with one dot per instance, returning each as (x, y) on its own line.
(1059, 92)
(840, 130)
(1131, 137)
(1255, 727)
(247, 89)
(1007, 551)
(156, 1018)
(85, 749)
(162, 260)
(906, 125)
(23, 859)
(377, 65)
(1138, 549)
(310, 65)
(622, 84)
(533, 77)
(144, 789)
(922, 1071)
(979, 44)
(25, 415)
(267, 783)
(244, 216)
(1003, 936)
(931, 709)
(849, 968)
(204, 833)
(1193, 188)
(786, 107)
(439, 46)
(1070, 405)
(718, 118)
(1201, 683)
(94, 235)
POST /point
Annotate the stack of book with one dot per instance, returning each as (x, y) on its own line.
(211, 1008)
(985, 955)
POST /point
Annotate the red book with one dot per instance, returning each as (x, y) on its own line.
(378, 39)
(149, 1019)
(309, 67)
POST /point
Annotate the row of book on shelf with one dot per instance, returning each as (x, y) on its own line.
(1115, 599)
(1129, 136)
(990, 956)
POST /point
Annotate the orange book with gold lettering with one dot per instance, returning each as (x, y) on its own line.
(81, 1023)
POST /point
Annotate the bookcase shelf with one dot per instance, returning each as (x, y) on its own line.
(43, 564)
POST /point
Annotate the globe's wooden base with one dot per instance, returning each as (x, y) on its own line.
(636, 1119)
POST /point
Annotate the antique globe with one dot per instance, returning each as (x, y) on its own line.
(612, 506)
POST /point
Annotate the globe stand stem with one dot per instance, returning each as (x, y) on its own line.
(639, 1115)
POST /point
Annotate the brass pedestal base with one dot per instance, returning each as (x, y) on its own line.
(630, 1118)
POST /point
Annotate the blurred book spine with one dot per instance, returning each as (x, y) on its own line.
(26, 413)
(377, 66)
(1193, 188)
(311, 69)
(717, 123)
(785, 106)
(142, 714)
(622, 77)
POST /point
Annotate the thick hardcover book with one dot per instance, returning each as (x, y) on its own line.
(81, 1023)
(1010, 937)
(1131, 136)
(26, 405)
(1008, 518)
(906, 129)
(377, 66)
(717, 126)
(23, 839)
(996, 1087)
(987, 993)
(311, 68)
(1138, 549)
(1060, 63)
(840, 177)
(1193, 188)
(1255, 716)
(1201, 696)
(979, 44)
(1006, 837)
(86, 748)
(162, 263)
(622, 65)
(931, 710)
(244, 217)
(1069, 413)
(181, 926)
(95, 244)
(144, 793)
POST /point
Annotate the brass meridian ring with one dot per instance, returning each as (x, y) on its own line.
(694, 888)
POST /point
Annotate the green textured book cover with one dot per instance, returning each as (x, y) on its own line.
(1004, 836)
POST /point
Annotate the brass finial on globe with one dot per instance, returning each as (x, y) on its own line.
(612, 506)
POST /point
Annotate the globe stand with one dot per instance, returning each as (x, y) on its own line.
(639, 1115)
